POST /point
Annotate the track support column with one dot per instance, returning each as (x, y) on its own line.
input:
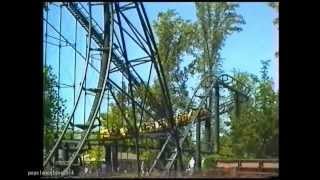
(198, 149)
(217, 118)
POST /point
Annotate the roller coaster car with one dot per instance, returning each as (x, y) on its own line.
(185, 119)
(143, 128)
(152, 126)
(123, 131)
(200, 113)
(190, 114)
(105, 133)
(115, 133)
(130, 131)
(156, 125)
(149, 126)
(163, 124)
(193, 113)
(203, 113)
(178, 119)
(166, 125)
(160, 124)
(118, 133)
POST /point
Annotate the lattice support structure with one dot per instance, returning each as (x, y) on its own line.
(114, 64)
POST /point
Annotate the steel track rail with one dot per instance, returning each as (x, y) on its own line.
(73, 111)
(102, 81)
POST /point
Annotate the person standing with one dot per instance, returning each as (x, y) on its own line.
(191, 166)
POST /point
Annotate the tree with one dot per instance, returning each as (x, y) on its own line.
(94, 156)
(254, 134)
(53, 107)
(267, 102)
(149, 157)
(174, 39)
(215, 22)
(275, 6)
(112, 119)
(174, 36)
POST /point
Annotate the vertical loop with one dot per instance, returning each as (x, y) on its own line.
(59, 69)
(74, 73)
(46, 39)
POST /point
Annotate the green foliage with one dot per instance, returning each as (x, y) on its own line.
(175, 35)
(254, 133)
(216, 21)
(264, 70)
(114, 118)
(174, 40)
(275, 6)
(154, 99)
(53, 107)
(149, 157)
(211, 161)
(225, 153)
(95, 155)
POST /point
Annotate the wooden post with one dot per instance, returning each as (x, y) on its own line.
(198, 149)
(260, 165)
(217, 118)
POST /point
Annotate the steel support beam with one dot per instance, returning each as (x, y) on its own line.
(117, 8)
(237, 102)
(217, 117)
(198, 144)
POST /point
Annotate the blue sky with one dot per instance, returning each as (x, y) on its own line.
(242, 51)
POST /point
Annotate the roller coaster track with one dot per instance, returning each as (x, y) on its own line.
(105, 42)
(154, 130)
(80, 14)
(169, 138)
(224, 80)
(104, 39)
(227, 81)
(97, 100)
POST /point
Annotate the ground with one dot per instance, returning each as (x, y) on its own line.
(212, 173)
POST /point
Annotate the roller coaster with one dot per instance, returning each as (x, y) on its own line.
(107, 67)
